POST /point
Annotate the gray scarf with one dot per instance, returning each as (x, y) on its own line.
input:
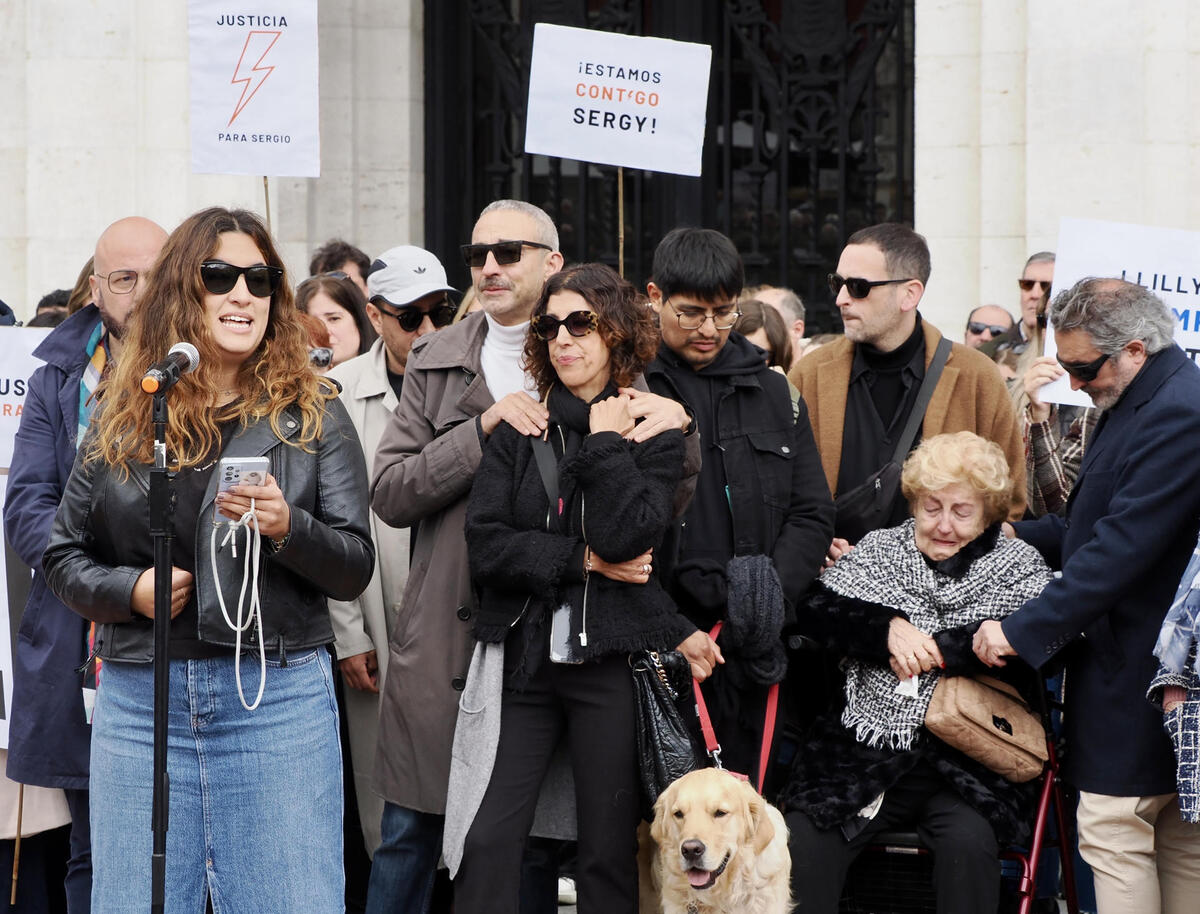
(887, 568)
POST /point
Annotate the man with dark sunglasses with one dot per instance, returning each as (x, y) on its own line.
(1129, 532)
(986, 323)
(862, 389)
(49, 734)
(1035, 286)
(760, 495)
(408, 299)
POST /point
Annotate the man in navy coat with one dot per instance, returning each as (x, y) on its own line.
(1131, 520)
(49, 735)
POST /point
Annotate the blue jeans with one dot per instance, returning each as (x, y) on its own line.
(405, 862)
(256, 796)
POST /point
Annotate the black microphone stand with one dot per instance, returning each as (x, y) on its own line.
(162, 508)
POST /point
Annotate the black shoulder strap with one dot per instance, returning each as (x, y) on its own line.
(543, 453)
(924, 395)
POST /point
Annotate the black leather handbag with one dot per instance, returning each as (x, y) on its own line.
(662, 689)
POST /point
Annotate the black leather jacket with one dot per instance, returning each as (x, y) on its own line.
(101, 543)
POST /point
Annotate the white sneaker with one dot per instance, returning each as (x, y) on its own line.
(566, 890)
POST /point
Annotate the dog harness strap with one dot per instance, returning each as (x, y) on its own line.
(712, 747)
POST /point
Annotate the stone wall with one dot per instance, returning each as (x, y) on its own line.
(94, 126)
(1032, 110)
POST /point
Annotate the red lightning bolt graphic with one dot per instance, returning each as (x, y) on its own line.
(255, 76)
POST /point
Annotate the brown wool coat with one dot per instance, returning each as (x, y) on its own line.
(970, 396)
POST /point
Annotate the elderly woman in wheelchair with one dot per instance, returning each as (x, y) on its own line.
(901, 609)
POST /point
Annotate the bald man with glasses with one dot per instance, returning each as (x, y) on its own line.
(50, 732)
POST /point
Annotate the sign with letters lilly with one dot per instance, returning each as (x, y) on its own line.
(254, 89)
(617, 99)
(1166, 261)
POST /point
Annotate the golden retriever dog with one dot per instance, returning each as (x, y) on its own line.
(721, 849)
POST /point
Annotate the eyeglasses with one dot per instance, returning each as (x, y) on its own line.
(505, 252)
(857, 286)
(320, 356)
(1085, 371)
(693, 318)
(578, 323)
(1028, 284)
(409, 317)
(977, 328)
(219, 277)
(120, 282)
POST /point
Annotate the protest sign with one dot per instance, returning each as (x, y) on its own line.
(254, 91)
(1165, 261)
(16, 355)
(617, 99)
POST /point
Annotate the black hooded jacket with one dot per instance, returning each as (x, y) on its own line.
(761, 488)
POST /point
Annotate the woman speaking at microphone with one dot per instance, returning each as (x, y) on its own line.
(253, 755)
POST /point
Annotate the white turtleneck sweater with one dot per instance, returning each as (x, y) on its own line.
(502, 359)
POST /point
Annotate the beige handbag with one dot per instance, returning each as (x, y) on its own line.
(987, 720)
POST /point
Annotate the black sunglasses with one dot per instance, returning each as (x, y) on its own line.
(505, 252)
(320, 357)
(409, 318)
(1084, 371)
(578, 323)
(994, 329)
(857, 286)
(219, 277)
(1028, 284)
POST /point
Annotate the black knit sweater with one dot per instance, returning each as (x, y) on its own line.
(619, 492)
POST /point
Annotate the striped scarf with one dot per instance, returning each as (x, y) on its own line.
(93, 371)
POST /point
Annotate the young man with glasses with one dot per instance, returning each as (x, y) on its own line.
(760, 496)
(861, 389)
(986, 323)
(1034, 285)
(50, 734)
(408, 299)
(1129, 532)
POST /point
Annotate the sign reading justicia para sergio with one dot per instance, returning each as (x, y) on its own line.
(617, 99)
(254, 88)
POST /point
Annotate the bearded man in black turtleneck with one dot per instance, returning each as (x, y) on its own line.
(862, 389)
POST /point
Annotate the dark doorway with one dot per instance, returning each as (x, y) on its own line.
(809, 132)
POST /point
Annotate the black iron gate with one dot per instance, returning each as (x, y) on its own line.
(809, 132)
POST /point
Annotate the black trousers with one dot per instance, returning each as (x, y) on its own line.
(966, 864)
(589, 705)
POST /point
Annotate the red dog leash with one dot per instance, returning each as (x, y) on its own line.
(713, 747)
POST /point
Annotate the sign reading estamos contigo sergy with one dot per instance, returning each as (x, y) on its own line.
(617, 99)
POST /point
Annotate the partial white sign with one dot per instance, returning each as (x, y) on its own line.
(1165, 261)
(255, 101)
(617, 99)
(17, 361)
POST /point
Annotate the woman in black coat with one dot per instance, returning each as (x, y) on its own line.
(901, 608)
(563, 556)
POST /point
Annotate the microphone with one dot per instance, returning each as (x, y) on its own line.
(182, 358)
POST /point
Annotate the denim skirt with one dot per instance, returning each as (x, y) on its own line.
(255, 816)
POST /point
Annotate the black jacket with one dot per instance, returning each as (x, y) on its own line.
(101, 543)
(620, 494)
(835, 775)
(777, 502)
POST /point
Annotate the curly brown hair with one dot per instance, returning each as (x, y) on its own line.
(625, 324)
(273, 377)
